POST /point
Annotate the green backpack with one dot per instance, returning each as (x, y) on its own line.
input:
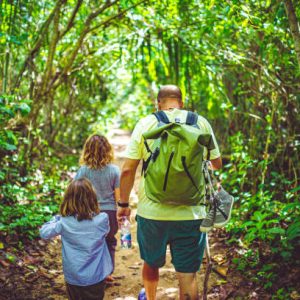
(173, 172)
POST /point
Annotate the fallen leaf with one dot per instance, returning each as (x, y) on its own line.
(219, 258)
(12, 239)
(59, 288)
(241, 251)
(42, 243)
(4, 275)
(54, 272)
(241, 244)
(20, 263)
(45, 274)
(119, 277)
(253, 296)
(221, 270)
(35, 254)
(32, 260)
(221, 281)
(4, 263)
(1, 246)
(225, 291)
(34, 268)
(116, 284)
(295, 295)
(217, 245)
(31, 277)
(134, 267)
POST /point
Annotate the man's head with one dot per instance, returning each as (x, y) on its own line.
(169, 96)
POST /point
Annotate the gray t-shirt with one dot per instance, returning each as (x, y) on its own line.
(105, 181)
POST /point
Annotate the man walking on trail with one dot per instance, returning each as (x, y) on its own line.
(162, 224)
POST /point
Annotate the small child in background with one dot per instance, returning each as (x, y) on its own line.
(83, 228)
(96, 166)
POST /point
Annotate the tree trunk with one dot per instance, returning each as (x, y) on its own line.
(294, 26)
(7, 53)
(171, 56)
(176, 61)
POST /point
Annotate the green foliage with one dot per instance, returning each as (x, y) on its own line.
(10, 109)
(266, 214)
(24, 219)
(249, 258)
(26, 201)
(31, 200)
(235, 62)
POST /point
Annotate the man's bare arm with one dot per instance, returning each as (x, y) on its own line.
(126, 184)
(127, 178)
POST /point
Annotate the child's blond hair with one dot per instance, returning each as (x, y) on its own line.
(80, 200)
(97, 152)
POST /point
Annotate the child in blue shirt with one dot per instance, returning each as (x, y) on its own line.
(83, 229)
(96, 166)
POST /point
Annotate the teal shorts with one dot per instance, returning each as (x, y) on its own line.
(186, 242)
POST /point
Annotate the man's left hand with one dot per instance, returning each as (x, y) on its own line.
(123, 212)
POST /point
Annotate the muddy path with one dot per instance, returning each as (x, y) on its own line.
(38, 272)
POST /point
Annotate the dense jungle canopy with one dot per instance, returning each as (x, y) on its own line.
(72, 67)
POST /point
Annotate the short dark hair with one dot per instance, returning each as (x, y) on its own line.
(169, 91)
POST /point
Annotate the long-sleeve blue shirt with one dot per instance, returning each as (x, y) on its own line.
(85, 255)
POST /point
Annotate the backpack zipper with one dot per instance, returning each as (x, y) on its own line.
(167, 172)
(183, 160)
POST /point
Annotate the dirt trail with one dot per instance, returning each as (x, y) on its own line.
(128, 262)
(38, 273)
(128, 281)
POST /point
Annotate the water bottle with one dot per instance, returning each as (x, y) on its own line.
(125, 234)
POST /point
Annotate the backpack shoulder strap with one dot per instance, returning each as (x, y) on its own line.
(161, 116)
(192, 119)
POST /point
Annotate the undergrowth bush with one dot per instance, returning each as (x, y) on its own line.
(25, 205)
(26, 201)
(266, 217)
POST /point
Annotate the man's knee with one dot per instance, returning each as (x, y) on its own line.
(188, 286)
(186, 276)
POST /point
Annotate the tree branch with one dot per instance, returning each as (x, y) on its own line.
(106, 22)
(79, 42)
(40, 38)
(51, 51)
(71, 20)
